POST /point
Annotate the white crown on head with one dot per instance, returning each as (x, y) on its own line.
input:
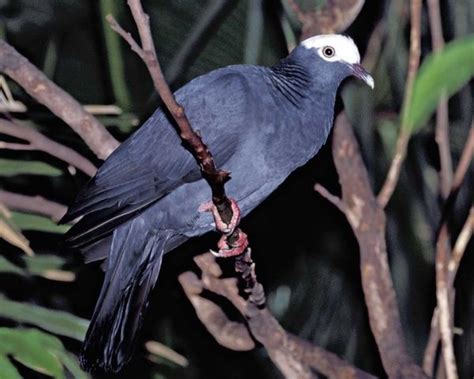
(344, 47)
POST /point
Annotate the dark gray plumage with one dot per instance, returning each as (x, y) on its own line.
(260, 124)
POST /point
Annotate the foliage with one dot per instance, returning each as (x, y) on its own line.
(441, 73)
(36, 350)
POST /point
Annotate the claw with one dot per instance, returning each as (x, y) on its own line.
(220, 225)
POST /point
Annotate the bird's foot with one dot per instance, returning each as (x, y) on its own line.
(232, 245)
(221, 226)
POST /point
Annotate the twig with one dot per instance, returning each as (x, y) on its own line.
(442, 296)
(38, 141)
(460, 247)
(291, 354)
(63, 105)
(401, 147)
(333, 199)
(442, 115)
(367, 220)
(33, 204)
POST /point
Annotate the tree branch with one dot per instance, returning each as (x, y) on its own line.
(63, 105)
(333, 199)
(367, 220)
(214, 177)
(442, 113)
(447, 263)
(292, 355)
(401, 147)
(38, 141)
(33, 204)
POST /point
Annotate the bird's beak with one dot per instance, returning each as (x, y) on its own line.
(359, 72)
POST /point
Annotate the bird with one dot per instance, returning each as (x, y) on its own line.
(260, 123)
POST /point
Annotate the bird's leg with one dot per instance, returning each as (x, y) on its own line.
(232, 245)
(233, 241)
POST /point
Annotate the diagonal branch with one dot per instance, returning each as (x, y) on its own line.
(146, 51)
(38, 141)
(402, 142)
(63, 105)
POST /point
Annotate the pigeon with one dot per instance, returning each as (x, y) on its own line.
(260, 123)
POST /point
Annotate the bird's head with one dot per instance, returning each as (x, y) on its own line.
(337, 57)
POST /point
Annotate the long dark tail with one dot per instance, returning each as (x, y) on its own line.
(132, 269)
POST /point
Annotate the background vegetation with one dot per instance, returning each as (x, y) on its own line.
(306, 253)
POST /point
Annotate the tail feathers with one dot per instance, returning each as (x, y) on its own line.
(132, 270)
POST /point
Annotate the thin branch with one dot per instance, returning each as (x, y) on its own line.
(214, 177)
(442, 296)
(442, 113)
(38, 141)
(333, 199)
(33, 204)
(464, 162)
(460, 247)
(401, 147)
(63, 105)
(454, 258)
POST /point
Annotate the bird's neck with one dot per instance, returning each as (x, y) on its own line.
(307, 99)
(291, 80)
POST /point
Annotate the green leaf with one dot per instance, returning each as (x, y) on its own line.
(446, 72)
(47, 266)
(70, 362)
(27, 221)
(34, 349)
(11, 167)
(7, 369)
(57, 322)
(7, 267)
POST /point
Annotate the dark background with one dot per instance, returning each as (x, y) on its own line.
(306, 255)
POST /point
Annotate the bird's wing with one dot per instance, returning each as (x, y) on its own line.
(153, 162)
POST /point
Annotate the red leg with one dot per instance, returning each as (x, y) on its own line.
(239, 239)
(221, 226)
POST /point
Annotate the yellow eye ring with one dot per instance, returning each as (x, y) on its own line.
(328, 51)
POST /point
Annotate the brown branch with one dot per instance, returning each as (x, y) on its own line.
(367, 219)
(442, 113)
(443, 301)
(63, 105)
(334, 17)
(33, 204)
(401, 147)
(446, 277)
(460, 247)
(333, 199)
(38, 141)
(214, 177)
(291, 354)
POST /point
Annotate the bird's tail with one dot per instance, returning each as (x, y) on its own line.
(133, 266)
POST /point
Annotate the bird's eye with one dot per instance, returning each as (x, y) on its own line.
(328, 51)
